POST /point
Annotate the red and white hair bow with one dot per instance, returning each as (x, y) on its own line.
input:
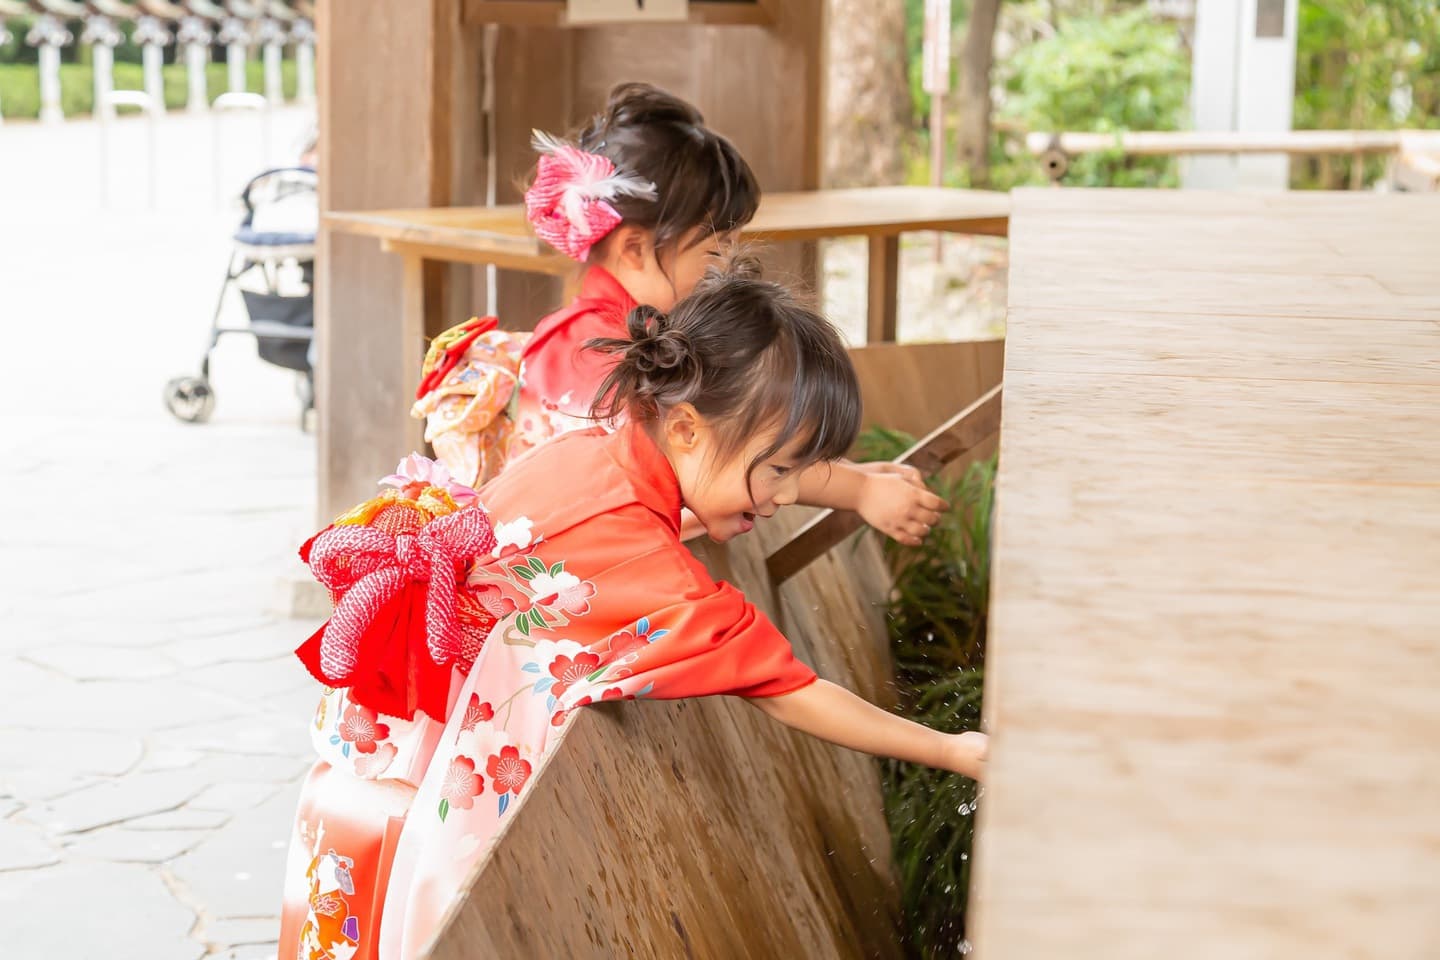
(569, 202)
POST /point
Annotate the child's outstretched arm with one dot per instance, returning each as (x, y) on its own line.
(892, 498)
(833, 713)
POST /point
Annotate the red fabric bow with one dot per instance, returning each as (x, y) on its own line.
(394, 633)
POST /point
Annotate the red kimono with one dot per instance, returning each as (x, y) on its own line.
(596, 599)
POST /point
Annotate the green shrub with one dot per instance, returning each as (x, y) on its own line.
(1103, 74)
(937, 620)
(20, 85)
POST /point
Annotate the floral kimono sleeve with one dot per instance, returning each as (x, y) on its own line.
(692, 637)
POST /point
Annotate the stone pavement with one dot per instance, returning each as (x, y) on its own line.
(152, 721)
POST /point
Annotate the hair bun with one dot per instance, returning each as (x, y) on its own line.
(655, 346)
(665, 351)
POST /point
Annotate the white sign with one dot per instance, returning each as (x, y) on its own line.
(626, 11)
(935, 59)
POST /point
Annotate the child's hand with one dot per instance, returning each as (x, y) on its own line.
(899, 505)
(965, 753)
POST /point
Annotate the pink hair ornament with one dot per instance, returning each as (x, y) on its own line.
(569, 202)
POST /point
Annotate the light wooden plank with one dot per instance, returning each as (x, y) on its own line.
(1232, 347)
(1215, 610)
(785, 216)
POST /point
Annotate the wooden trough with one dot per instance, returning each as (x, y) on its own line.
(702, 828)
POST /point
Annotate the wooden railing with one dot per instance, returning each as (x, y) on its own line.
(946, 443)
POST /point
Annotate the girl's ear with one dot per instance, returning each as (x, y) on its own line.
(682, 429)
(633, 246)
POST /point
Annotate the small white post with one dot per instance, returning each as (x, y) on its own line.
(152, 36)
(303, 36)
(225, 103)
(102, 35)
(194, 35)
(274, 87)
(237, 40)
(935, 63)
(129, 98)
(270, 34)
(49, 34)
(5, 37)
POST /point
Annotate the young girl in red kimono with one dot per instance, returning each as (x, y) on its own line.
(490, 625)
(646, 196)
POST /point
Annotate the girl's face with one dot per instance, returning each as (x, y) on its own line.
(724, 494)
(663, 278)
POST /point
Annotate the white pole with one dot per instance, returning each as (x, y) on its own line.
(226, 103)
(935, 64)
(103, 59)
(235, 65)
(48, 34)
(5, 37)
(151, 56)
(305, 74)
(274, 89)
(197, 98)
(50, 109)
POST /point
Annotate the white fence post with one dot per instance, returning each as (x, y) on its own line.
(195, 36)
(103, 36)
(49, 34)
(152, 35)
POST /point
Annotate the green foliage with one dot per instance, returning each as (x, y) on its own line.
(1103, 74)
(20, 85)
(937, 628)
(1364, 66)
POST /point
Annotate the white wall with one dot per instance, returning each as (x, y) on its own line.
(1242, 82)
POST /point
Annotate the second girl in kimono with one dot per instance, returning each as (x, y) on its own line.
(644, 198)
(488, 621)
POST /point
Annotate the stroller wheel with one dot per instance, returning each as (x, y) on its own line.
(190, 399)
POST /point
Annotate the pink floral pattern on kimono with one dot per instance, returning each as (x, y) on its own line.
(467, 413)
(512, 392)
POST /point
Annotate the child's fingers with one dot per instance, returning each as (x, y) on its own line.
(929, 518)
(931, 502)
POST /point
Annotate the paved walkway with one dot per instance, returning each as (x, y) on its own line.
(151, 719)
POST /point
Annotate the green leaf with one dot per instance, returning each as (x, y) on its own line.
(556, 570)
(523, 625)
(444, 810)
(523, 572)
(537, 564)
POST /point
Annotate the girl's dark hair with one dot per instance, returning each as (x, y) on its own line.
(749, 357)
(699, 176)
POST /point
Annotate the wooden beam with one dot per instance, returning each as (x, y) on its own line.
(551, 13)
(1165, 143)
(945, 444)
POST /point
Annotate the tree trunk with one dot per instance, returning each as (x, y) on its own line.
(973, 136)
(867, 105)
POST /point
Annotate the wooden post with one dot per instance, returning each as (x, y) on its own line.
(390, 132)
(884, 289)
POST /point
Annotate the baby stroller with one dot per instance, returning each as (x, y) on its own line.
(274, 256)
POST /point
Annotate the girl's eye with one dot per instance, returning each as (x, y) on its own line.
(780, 471)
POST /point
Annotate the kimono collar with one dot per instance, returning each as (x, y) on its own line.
(654, 480)
(600, 284)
